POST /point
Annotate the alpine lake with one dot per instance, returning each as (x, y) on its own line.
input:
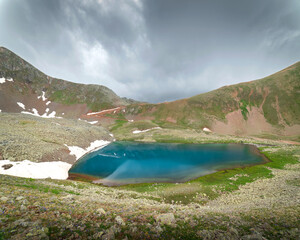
(121, 163)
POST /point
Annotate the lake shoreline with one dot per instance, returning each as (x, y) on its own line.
(116, 183)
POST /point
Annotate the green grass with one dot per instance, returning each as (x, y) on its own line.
(45, 189)
(243, 107)
(171, 139)
(26, 122)
(124, 129)
(276, 137)
(36, 185)
(281, 157)
(118, 124)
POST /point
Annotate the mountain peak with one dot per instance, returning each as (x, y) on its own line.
(29, 83)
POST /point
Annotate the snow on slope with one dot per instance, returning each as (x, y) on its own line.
(3, 80)
(79, 152)
(146, 130)
(45, 115)
(28, 169)
(21, 105)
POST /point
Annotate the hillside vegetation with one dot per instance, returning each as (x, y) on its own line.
(271, 104)
(268, 107)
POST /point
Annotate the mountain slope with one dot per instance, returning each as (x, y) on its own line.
(27, 83)
(267, 106)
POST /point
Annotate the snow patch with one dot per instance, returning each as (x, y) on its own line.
(43, 96)
(142, 131)
(21, 105)
(206, 130)
(35, 113)
(103, 111)
(0, 110)
(51, 115)
(130, 120)
(93, 122)
(3, 80)
(79, 152)
(47, 103)
(28, 169)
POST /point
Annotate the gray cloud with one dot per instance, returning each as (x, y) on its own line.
(154, 50)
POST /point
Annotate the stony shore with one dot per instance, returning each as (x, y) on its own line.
(48, 209)
(26, 137)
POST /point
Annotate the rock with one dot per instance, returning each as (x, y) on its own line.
(158, 229)
(205, 234)
(7, 166)
(29, 234)
(233, 231)
(100, 211)
(294, 233)
(167, 218)
(46, 230)
(119, 220)
(114, 229)
(69, 197)
(134, 229)
(97, 235)
(21, 222)
(3, 199)
(110, 235)
(19, 198)
(254, 236)
(23, 208)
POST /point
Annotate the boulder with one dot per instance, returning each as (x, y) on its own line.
(100, 211)
(119, 220)
(166, 218)
(7, 166)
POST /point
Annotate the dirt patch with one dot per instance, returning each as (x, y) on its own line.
(266, 93)
(250, 94)
(292, 130)
(170, 119)
(236, 124)
(280, 118)
(234, 94)
(255, 124)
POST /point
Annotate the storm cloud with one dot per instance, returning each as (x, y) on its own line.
(154, 50)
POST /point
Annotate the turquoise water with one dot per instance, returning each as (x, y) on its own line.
(131, 162)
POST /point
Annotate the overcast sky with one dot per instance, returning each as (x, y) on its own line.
(154, 50)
